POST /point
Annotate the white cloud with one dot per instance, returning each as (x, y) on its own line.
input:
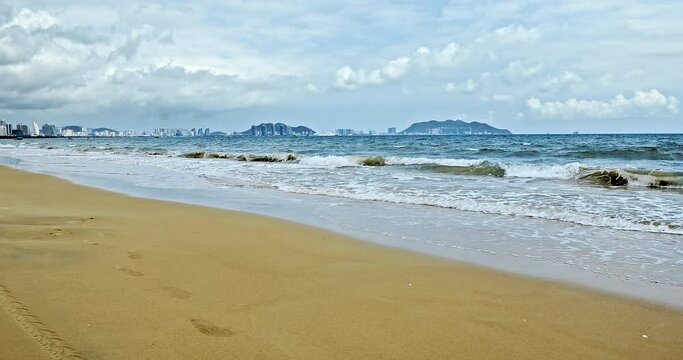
(501, 97)
(518, 71)
(203, 88)
(348, 78)
(24, 35)
(517, 33)
(465, 88)
(562, 81)
(130, 47)
(426, 58)
(48, 64)
(395, 69)
(446, 57)
(33, 20)
(312, 88)
(641, 103)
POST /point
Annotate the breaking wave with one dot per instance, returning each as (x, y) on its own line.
(241, 157)
(584, 174)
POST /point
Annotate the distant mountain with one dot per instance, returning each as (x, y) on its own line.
(74, 128)
(277, 129)
(452, 127)
(102, 129)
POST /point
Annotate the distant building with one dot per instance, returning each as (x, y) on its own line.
(5, 128)
(344, 132)
(24, 129)
(200, 132)
(207, 132)
(35, 130)
(391, 131)
(277, 129)
(49, 130)
(270, 129)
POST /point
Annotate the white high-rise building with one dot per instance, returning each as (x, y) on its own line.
(5, 128)
(35, 131)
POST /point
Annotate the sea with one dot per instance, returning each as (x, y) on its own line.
(599, 210)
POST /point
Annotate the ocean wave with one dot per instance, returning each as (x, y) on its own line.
(484, 168)
(642, 153)
(276, 157)
(584, 174)
(543, 171)
(633, 177)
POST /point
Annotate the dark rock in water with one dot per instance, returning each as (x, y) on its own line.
(485, 169)
(264, 158)
(194, 155)
(607, 177)
(453, 127)
(662, 183)
(373, 161)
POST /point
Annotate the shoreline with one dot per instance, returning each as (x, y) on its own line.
(122, 277)
(503, 246)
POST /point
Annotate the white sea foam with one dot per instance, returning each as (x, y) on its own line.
(394, 160)
(330, 161)
(543, 171)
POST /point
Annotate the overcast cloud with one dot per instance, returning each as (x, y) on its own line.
(526, 65)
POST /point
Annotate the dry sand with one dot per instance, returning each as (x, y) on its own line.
(89, 273)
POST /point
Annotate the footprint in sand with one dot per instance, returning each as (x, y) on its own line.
(128, 271)
(177, 293)
(207, 328)
(135, 255)
(57, 232)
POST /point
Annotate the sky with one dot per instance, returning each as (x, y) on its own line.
(531, 66)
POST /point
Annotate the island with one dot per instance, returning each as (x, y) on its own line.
(453, 127)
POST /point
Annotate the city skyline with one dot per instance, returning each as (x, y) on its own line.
(8, 129)
(526, 65)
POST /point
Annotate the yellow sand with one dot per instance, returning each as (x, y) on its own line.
(94, 274)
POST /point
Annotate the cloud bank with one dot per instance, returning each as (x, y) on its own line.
(641, 103)
(424, 58)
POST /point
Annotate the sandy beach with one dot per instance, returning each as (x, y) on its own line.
(86, 273)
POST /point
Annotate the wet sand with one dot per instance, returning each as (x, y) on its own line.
(86, 273)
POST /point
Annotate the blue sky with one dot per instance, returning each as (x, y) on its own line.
(529, 66)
